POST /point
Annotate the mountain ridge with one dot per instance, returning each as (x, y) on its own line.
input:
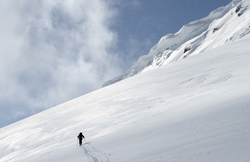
(192, 110)
(189, 40)
(196, 109)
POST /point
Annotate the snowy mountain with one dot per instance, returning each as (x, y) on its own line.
(223, 25)
(192, 110)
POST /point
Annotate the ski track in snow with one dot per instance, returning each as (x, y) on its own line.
(93, 154)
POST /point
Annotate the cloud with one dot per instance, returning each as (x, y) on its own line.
(135, 48)
(53, 51)
(136, 3)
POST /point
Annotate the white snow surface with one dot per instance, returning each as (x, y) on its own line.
(196, 109)
(223, 25)
(193, 110)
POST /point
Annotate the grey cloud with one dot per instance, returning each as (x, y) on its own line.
(53, 51)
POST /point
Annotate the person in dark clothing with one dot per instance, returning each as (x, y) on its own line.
(80, 137)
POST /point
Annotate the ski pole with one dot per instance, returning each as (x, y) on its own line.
(84, 140)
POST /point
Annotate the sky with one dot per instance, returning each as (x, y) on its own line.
(52, 51)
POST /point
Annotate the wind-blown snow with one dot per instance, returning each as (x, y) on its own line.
(192, 110)
(221, 26)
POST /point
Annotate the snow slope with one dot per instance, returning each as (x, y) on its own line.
(193, 110)
(223, 25)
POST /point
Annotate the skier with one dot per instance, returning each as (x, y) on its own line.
(80, 137)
